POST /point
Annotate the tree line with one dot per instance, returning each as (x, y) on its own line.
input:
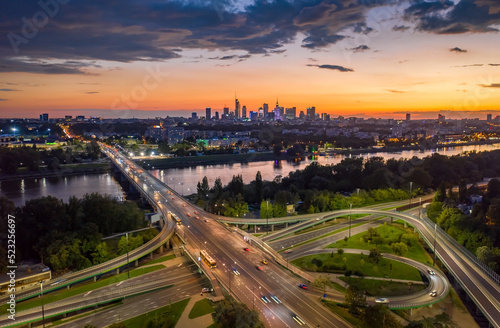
(67, 236)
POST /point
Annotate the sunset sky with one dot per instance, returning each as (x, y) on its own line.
(148, 58)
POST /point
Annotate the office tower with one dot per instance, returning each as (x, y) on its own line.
(261, 112)
(408, 117)
(194, 116)
(278, 113)
(311, 113)
(244, 112)
(302, 115)
(441, 117)
(208, 113)
(266, 110)
(488, 117)
(291, 113)
(236, 108)
(253, 116)
(44, 117)
(226, 111)
(216, 116)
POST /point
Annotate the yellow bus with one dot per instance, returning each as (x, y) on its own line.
(208, 259)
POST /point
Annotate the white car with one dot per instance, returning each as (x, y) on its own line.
(433, 293)
(381, 300)
(236, 272)
(431, 272)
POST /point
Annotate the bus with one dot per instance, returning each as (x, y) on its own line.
(208, 259)
(176, 219)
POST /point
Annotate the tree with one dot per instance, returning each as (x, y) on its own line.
(217, 188)
(493, 213)
(266, 209)
(322, 281)
(259, 191)
(340, 251)
(375, 255)
(100, 254)
(229, 313)
(379, 316)
(462, 191)
(483, 254)
(399, 248)
(355, 299)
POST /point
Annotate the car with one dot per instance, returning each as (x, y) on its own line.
(197, 217)
(184, 205)
(264, 261)
(195, 212)
(303, 286)
(206, 220)
(298, 319)
(288, 251)
(173, 197)
(236, 272)
(275, 298)
(246, 249)
(206, 290)
(260, 268)
(431, 272)
(188, 214)
(381, 300)
(433, 293)
(264, 299)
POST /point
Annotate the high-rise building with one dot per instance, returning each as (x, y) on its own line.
(311, 113)
(80, 118)
(488, 117)
(226, 111)
(291, 113)
(208, 113)
(216, 116)
(175, 135)
(44, 117)
(278, 113)
(244, 111)
(408, 117)
(441, 117)
(236, 108)
(253, 116)
(302, 115)
(68, 117)
(194, 116)
(266, 110)
(261, 112)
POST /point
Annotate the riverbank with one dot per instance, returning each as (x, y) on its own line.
(64, 170)
(192, 161)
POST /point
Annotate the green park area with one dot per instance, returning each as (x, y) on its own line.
(200, 308)
(388, 239)
(167, 316)
(386, 288)
(358, 263)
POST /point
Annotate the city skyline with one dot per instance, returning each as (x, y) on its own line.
(352, 58)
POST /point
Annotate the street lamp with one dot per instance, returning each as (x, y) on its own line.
(43, 311)
(411, 185)
(128, 271)
(350, 210)
(420, 207)
(267, 217)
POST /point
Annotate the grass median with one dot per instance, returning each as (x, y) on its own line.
(167, 316)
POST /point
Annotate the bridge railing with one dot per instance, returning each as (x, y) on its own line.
(483, 267)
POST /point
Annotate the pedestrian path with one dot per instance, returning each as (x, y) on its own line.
(200, 322)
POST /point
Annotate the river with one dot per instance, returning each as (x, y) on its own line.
(184, 180)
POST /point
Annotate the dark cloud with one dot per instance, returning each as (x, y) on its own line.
(91, 92)
(360, 48)
(3, 99)
(494, 64)
(227, 57)
(492, 85)
(400, 28)
(42, 67)
(471, 65)
(458, 50)
(395, 91)
(333, 67)
(9, 90)
(445, 17)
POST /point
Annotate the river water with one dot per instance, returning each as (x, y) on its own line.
(184, 180)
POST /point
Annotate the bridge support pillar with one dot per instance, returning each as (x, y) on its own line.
(95, 278)
(118, 271)
(478, 312)
(255, 228)
(411, 311)
(136, 263)
(68, 287)
(161, 249)
(286, 225)
(151, 255)
(236, 226)
(65, 315)
(272, 227)
(29, 325)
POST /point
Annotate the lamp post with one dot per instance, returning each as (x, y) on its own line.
(420, 208)
(267, 217)
(350, 210)
(43, 310)
(435, 236)
(411, 185)
(128, 271)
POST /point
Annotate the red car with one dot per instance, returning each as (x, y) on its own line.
(196, 212)
(259, 268)
(246, 249)
(303, 286)
(188, 214)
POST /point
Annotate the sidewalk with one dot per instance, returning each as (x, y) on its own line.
(201, 322)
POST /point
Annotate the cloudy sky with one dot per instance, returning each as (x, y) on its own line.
(156, 58)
